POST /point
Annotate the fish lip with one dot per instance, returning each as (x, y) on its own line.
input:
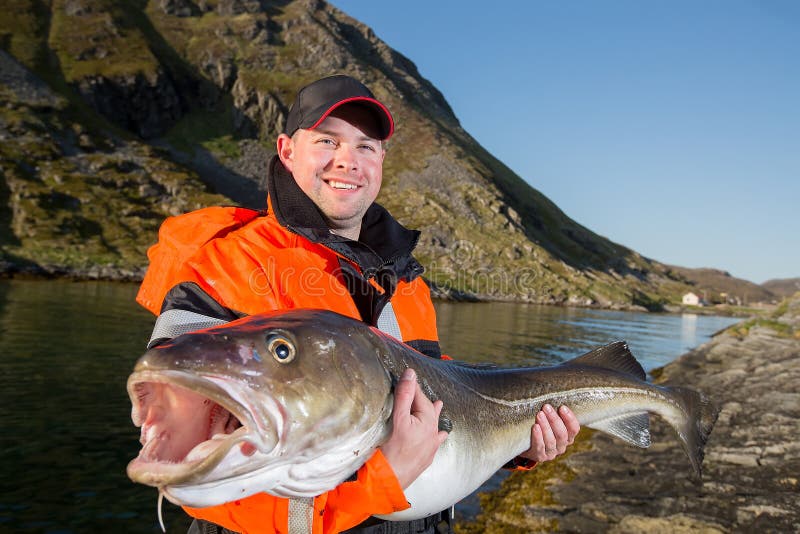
(162, 474)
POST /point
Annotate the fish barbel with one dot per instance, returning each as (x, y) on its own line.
(292, 403)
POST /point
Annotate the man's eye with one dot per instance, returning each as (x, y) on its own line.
(367, 147)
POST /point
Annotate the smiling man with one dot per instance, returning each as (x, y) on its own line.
(322, 243)
(338, 165)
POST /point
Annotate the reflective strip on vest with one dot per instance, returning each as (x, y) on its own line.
(301, 515)
(173, 323)
(387, 322)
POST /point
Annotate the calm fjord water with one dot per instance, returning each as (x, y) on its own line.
(67, 348)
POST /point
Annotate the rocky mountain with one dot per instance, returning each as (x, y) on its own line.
(116, 114)
(782, 287)
(719, 287)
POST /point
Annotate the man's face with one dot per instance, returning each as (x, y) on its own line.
(339, 165)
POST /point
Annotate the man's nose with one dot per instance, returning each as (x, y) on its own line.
(346, 157)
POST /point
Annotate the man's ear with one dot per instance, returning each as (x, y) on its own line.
(286, 151)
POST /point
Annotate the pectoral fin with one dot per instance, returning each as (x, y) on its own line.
(632, 428)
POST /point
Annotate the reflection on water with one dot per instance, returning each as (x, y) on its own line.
(688, 328)
(67, 349)
(519, 334)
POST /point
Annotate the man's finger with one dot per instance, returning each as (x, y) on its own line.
(421, 406)
(404, 393)
(547, 433)
(571, 422)
(437, 407)
(558, 428)
(537, 440)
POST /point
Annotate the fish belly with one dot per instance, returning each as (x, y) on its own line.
(458, 469)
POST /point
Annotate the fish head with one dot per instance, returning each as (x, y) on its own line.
(289, 403)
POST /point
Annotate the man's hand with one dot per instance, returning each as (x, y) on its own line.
(552, 433)
(415, 434)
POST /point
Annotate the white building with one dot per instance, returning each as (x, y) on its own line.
(690, 299)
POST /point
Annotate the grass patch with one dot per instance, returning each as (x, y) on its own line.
(209, 128)
(22, 30)
(742, 330)
(282, 85)
(649, 301)
(781, 309)
(101, 41)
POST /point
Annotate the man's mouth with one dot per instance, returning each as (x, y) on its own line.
(341, 185)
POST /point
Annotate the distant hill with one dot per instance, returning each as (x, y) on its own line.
(718, 286)
(782, 287)
(116, 114)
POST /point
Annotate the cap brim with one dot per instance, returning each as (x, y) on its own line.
(385, 121)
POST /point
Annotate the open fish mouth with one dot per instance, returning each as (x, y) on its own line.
(189, 425)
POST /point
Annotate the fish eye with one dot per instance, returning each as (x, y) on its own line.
(281, 348)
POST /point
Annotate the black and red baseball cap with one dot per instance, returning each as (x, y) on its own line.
(317, 100)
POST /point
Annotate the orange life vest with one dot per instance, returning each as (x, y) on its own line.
(250, 263)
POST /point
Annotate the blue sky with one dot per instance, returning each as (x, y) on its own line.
(670, 127)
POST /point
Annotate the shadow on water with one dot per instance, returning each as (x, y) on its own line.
(67, 348)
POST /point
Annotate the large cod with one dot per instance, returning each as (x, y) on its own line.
(292, 403)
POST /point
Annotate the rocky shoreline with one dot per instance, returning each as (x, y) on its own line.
(751, 469)
(114, 273)
(110, 273)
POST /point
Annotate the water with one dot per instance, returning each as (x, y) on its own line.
(67, 348)
(66, 351)
(520, 334)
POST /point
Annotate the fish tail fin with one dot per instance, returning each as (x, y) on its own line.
(695, 427)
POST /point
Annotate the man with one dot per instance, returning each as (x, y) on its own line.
(322, 243)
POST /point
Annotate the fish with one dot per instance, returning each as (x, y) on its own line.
(292, 403)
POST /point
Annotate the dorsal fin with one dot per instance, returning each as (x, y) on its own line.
(615, 356)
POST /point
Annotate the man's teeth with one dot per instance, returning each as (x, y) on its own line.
(341, 185)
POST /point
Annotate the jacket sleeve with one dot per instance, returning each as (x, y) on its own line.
(179, 238)
(376, 491)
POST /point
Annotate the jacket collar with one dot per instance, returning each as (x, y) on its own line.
(383, 240)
